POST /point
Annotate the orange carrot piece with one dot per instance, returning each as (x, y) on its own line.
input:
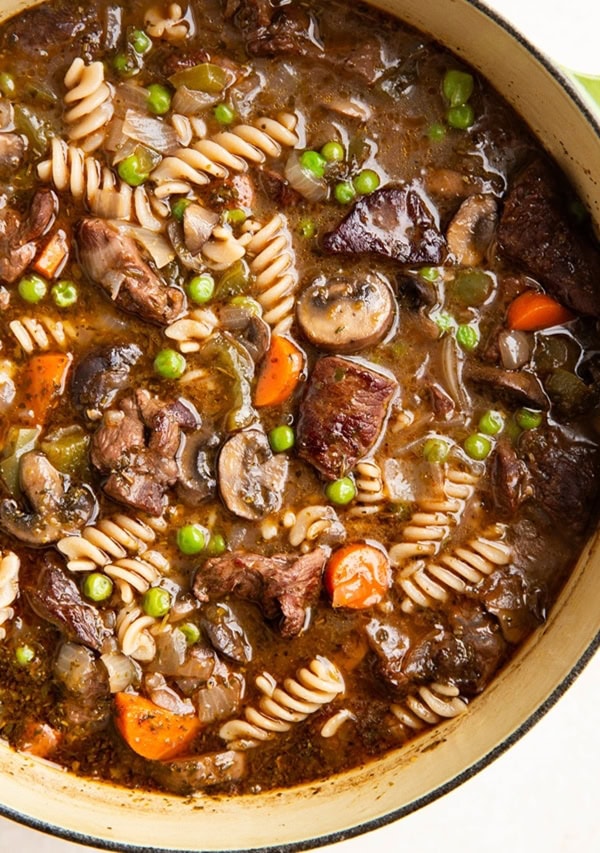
(151, 731)
(43, 382)
(280, 372)
(53, 256)
(38, 739)
(532, 311)
(357, 576)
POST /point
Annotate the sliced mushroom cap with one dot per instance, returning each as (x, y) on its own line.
(226, 633)
(251, 478)
(470, 232)
(346, 315)
(196, 463)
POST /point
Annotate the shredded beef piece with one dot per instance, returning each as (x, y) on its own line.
(509, 480)
(536, 231)
(284, 585)
(342, 414)
(275, 29)
(19, 235)
(394, 222)
(278, 189)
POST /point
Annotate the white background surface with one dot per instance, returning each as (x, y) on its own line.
(543, 793)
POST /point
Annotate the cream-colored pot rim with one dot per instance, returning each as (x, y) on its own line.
(37, 794)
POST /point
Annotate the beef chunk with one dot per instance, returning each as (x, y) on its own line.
(442, 404)
(186, 775)
(55, 597)
(506, 595)
(277, 188)
(12, 152)
(115, 263)
(342, 414)
(53, 28)
(137, 445)
(537, 232)
(519, 388)
(19, 235)
(275, 29)
(394, 222)
(564, 475)
(509, 480)
(101, 374)
(284, 585)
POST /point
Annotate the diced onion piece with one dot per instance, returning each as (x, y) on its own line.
(189, 102)
(515, 348)
(165, 697)
(122, 671)
(75, 667)
(302, 181)
(156, 245)
(152, 132)
(198, 224)
(451, 371)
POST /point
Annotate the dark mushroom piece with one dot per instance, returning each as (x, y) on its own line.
(346, 315)
(12, 152)
(471, 230)
(196, 463)
(100, 375)
(226, 633)
(186, 775)
(57, 508)
(517, 387)
(251, 478)
(248, 328)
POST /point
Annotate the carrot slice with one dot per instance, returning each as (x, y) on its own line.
(38, 739)
(151, 731)
(357, 576)
(42, 383)
(532, 311)
(280, 372)
(53, 256)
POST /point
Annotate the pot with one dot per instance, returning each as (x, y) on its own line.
(39, 794)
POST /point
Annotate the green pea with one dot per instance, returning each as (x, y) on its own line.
(223, 114)
(249, 303)
(472, 287)
(457, 87)
(282, 438)
(491, 422)
(201, 288)
(24, 655)
(333, 152)
(64, 293)
(366, 181)
(477, 446)
(445, 322)
(124, 65)
(429, 273)
(97, 587)
(131, 171)
(140, 41)
(528, 418)
(236, 216)
(169, 364)
(217, 545)
(192, 539)
(467, 337)
(307, 228)
(159, 99)
(436, 450)
(461, 117)
(436, 132)
(156, 602)
(313, 162)
(191, 632)
(32, 288)
(344, 192)
(8, 86)
(178, 208)
(341, 491)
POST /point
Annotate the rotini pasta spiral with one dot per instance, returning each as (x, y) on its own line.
(427, 529)
(110, 540)
(310, 523)
(169, 24)
(280, 708)
(427, 584)
(191, 331)
(273, 265)
(9, 587)
(89, 104)
(429, 706)
(223, 249)
(136, 575)
(41, 334)
(370, 489)
(133, 634)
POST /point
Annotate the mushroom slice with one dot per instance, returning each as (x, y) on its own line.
(346, 315)
(251, 478)
(470, 232)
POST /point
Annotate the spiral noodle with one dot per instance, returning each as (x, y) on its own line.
(310, 523)
(223, 249)
(89, 103)
(169, 25)
(429, 706)
(426, 584)
(41, 334)
(370, 489)
(231, 151)
(9, 587)
(133, 634)
(280, 708)
(273, 266)
(427, 529)
(191, 331)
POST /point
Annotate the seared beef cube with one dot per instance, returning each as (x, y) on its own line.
(394, 222)
(537, 232)
(509, 480)
(19, 235)
(342, 414)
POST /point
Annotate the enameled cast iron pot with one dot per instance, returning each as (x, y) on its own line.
(36, 793)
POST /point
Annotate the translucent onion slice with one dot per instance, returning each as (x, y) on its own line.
(302, 181)
(152, 132)
(122, 671)
(515, 348)
(157, 246)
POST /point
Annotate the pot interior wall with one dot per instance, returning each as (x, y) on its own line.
(44, 796)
